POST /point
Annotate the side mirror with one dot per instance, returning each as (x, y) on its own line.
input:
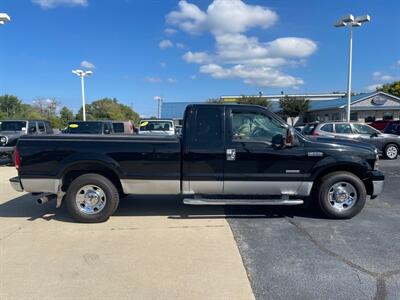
(278, 141)
(375, 134)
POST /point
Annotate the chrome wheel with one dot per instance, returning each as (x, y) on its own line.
(391, 152)
(90, 199)
(342, 196)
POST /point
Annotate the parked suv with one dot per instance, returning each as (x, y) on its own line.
(393, 127)
(387, 144)
(89, 127)
(380, 124)
(11, 130)
(157, 127)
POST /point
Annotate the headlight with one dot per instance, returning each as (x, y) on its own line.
(3, 140)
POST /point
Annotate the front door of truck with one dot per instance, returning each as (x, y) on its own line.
(253, 166)
(204, 151)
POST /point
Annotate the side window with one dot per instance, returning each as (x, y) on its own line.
(254, 126)
(32, 127)
(327, 128)
(343, 128)
(41, 127)
(208, 128)
(48, 127)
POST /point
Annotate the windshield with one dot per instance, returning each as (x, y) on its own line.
(309, 128)
(85, 127)
(364, 129)
(151, 125)
(12, 125)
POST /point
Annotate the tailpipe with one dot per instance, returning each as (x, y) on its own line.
(45, 198)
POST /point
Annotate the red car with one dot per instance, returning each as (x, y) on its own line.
(380, 125)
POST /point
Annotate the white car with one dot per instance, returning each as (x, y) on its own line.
(156, 127)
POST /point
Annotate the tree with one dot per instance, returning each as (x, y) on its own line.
(108, 109)
(10, 106)
(66, 115)
(391, 88)
(293, 107)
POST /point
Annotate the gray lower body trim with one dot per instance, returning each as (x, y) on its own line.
(40, 185)
(293, 188)
(151, 187)
(378, 187)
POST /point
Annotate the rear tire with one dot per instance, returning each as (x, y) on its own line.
(341, 195)
(391, 151)
(92, 198)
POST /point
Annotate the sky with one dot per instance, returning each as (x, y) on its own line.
(192, 50)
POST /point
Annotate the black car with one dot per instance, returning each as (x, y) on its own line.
(393, 127)
(12, 130)
(227, 154)
(89, 127)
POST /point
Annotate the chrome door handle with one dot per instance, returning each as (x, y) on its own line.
(230, 154)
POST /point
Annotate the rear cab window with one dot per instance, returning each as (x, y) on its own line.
(208, 128)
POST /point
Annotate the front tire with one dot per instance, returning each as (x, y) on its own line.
(391, 151)
(92, 198)
(341, 195)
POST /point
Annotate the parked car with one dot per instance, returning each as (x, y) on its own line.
(387, 144)
(123, 127)
(12, 130)
(89, 127)
(157, 127)
(380, 124)
(393, 127)
(227, 154)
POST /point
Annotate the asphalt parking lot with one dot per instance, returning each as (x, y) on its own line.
(295, 254)
(161, 249)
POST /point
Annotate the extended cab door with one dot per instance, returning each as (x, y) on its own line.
(253, 166)
(204, 150)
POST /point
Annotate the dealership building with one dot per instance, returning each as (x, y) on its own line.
(323, 107)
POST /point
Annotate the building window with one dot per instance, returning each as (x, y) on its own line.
(353, 116)
(388, 116)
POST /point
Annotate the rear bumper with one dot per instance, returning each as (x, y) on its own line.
(16, 184)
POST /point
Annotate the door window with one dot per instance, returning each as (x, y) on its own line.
(32, 127)
(255, 126)
(327, 128)
(343, 128)
(41, 127)
(364, 129)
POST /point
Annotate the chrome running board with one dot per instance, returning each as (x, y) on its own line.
(207, 201)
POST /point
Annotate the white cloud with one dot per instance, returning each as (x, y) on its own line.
(236, 54)
(152, 79)
(379, 76)
(171, 80)
(373, 87)
(180, 45)
(46, 4)
(164, 44)
(163, 64)
(170, 31)
(87, 65)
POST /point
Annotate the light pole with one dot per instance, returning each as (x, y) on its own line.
(4, 18)
(350, 21)
(82, 75)
(159, 101)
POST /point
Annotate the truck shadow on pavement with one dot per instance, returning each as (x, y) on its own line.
(169, 206)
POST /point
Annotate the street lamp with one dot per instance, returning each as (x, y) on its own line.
(4, 18)
(82, 75)
(159, 101)
(350, 21)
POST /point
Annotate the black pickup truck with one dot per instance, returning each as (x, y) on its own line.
(227, 154)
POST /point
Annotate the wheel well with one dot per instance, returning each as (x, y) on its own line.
(85, 168)
(351, 169)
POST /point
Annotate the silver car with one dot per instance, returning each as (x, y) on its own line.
(387, 144)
